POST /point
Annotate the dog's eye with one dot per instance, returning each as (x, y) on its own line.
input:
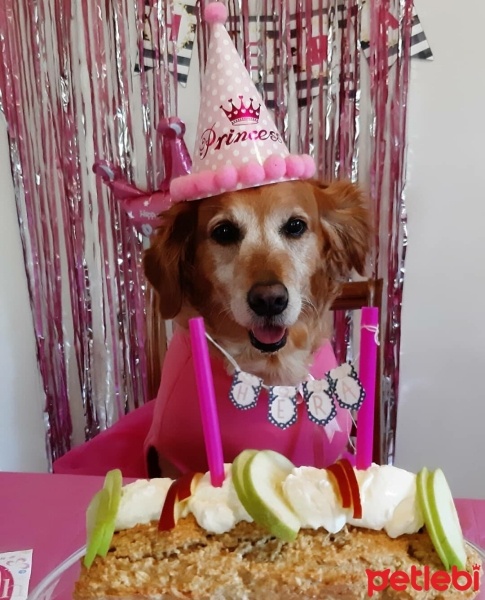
(295, 227)
(226, 233)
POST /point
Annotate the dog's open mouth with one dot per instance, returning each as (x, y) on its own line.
(268, 338)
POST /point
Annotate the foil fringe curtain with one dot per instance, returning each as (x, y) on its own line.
(71, 94)
(350, 111)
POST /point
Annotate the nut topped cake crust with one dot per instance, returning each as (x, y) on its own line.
(248, 563)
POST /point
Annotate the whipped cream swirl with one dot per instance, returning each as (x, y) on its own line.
(388, 496)
(217, 509)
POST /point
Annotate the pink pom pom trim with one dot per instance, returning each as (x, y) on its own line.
(215, 12)
(309, 166)
(252, 174)
(229, 177)
(274, 167)
(182, 188)
(226, 178)
(294, 166)
(205, 183)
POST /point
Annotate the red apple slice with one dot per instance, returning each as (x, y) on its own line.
(186, 485)
(180, 490)
(340, 479)
(170, 509)
(354, 487)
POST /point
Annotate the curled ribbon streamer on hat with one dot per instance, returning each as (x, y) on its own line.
(142, 207)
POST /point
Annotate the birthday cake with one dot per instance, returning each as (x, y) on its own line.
(275, 531)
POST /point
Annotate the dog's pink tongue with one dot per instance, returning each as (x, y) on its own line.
(269, 335)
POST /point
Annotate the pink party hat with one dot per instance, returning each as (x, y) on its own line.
(237, 145)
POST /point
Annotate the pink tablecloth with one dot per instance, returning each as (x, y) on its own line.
(46, 513)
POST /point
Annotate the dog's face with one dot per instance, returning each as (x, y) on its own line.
(261, 266)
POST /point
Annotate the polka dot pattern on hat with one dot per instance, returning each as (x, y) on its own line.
(237, 143)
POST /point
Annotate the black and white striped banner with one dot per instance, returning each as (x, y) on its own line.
(420, 47)
(182, 35)
(306, 53)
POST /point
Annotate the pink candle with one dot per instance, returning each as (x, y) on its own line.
(207, 401)
(367, 375)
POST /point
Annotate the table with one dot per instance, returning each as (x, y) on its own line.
(47, 513)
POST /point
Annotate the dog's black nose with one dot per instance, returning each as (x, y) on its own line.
(268, 299)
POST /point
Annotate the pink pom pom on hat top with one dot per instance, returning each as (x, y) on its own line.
(237, 145)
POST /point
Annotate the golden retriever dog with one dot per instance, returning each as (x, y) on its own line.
(262, 267)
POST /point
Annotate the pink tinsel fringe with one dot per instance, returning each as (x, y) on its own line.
(72, 96)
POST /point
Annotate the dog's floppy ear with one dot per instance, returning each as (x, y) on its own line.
(345, 218)
(168, 261)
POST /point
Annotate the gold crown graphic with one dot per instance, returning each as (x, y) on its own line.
(245, 114)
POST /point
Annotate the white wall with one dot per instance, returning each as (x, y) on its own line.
(22, 429)
(441, 413)
(442, 410)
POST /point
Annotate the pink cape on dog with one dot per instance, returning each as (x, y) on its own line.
(171, 425)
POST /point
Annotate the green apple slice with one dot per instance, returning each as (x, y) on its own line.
(445, 520)
(101, 517)
(263, 477)
(96, 516)
(422, 479)
(113, 483)
(237, 471)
